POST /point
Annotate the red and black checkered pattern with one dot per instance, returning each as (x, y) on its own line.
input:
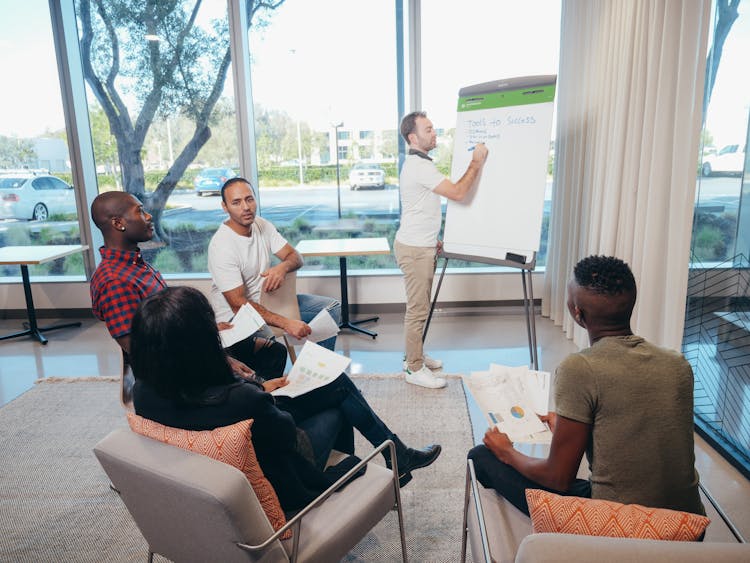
(121, 281)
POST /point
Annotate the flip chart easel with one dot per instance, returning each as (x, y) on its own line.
(526, 270)
(500, 222)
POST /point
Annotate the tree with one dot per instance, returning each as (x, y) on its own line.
(726, 14)
(152, 54)
(272, 128)
(15, 153)
(105, 145)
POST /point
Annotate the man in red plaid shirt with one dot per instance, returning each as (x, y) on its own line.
(123, 279)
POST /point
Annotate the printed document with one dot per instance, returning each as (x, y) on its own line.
(323, 327)
(246, 322)
(315, 366)
(511, 398)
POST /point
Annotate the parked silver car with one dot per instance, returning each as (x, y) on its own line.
(34, 196)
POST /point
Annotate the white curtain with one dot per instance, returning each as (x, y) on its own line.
(630, 90)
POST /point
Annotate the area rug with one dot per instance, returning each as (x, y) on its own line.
(56, 505)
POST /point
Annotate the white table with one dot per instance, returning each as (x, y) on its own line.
(33, 255)
(343, 247)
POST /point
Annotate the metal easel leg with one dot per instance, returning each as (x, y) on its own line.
(535, 358)
(528, 303)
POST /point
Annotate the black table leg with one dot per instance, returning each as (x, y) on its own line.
(345, 322)
(33, 329)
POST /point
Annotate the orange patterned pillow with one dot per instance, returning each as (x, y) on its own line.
(591, 517)
(228, 444)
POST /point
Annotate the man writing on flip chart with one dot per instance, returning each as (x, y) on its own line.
(416, 245)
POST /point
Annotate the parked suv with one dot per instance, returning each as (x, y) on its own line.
(26, 195)
(729, 160)
(366, 175)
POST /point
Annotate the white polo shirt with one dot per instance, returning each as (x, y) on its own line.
(420, 205)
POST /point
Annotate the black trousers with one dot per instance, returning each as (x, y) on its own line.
(268, 361)
(494, 474)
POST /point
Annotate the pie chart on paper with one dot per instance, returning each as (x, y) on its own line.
(517, 412)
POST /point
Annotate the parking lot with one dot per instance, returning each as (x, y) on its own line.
(318, 204)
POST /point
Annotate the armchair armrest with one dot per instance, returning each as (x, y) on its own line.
(296, 520)
(472, 493)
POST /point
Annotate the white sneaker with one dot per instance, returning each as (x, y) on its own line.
(424, 378)
(431, 363)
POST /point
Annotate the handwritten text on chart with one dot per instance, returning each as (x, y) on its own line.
(482, 130)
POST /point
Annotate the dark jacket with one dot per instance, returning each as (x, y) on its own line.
(274, 433)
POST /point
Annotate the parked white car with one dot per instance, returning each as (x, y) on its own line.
(729, 160)
(34, 196)
(366, 175)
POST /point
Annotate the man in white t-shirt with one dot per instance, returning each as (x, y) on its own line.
(239, 259)
(417, 244)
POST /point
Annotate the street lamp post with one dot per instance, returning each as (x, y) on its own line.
(299, 155)
(338, 177)
(292, 54)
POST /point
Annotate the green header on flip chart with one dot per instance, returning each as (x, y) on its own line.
(522, 97)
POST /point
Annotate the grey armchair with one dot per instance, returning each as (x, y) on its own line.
(283, 302)
(192, 508)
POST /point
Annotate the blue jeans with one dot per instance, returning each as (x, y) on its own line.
(341, 394)
(494, 474)
(324, 430)
(311, 305)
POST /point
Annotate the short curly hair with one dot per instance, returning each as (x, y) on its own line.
(604, 274)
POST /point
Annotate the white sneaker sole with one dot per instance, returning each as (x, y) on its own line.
(433, 367)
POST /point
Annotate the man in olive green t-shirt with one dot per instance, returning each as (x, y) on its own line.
(624, 402)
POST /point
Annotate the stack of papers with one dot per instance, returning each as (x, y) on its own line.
(246, 322)
(511, 398)
(315, 366)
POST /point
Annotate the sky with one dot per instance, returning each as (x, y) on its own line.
(728, 101)
(327, 61)
(30, 96)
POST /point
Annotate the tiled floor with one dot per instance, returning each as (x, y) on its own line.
(465, 340)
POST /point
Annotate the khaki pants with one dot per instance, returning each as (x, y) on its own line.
(418, 265)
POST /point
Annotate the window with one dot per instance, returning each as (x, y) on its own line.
(717, 315)
(494, 38)
(717, 235)
(337, 116)
(168, 154)
(37, 203)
